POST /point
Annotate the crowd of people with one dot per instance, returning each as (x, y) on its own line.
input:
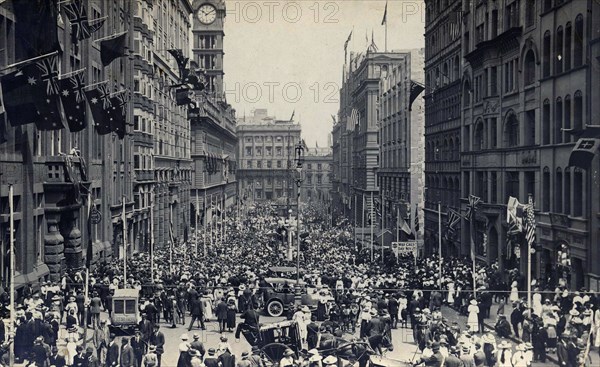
(354, 296)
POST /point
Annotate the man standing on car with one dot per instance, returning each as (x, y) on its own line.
(250, 318)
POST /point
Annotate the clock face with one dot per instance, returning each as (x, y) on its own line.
(207, 13)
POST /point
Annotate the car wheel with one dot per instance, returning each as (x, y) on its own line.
(275, 308)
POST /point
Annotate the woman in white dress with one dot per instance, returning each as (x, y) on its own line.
(536, 301)
(514, 292)
(207, 301)
(472, 320)
(504, 356)
(451, 291)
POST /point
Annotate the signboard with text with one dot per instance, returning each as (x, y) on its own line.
(403, 248)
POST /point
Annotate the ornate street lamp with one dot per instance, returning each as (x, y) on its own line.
(299, 158)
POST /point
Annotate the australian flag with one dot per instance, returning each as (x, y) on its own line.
(118, 113)
(100, 105)
(73, 99)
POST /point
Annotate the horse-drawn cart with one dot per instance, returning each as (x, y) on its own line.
(274, 339)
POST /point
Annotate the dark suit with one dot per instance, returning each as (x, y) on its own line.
(227, 359)
(197, 312)
(158, 339)
(211, 361)
(139, 350)
(57, 360)
(221, 313)
(127, 356)
(112, 355)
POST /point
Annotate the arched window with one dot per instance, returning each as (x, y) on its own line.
(558, 51)
(456, 192)
(567, 53)
(452, 152)
(546, 190)
(445, 75)
(578, 194)
(578, 111)
(456, 68)
(511, 131)
(445, 154)
(479, 137)
(529, 68)
(578, 42)
(467, 94)
(567, 119)
(546, 58)
(567, 192)
(558, 191)
(546, 122)
(558, 115)
(437, 77)
(428, 83)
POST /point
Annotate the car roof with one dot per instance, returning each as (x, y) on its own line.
(283, 280)
(130, 292)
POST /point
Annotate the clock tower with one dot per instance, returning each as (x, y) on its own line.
(207, 31)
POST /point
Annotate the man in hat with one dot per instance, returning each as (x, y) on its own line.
(195, 359)
(519, 359)
(56, 359)
(197, 313)
(436, 359)
(112, 354)
(92, 359)
(139, 348)
(95, 305)
(101, 340)
(502, 327)
(197, 345)
(211, 360)
(158, 340)
(251, 318)
(150, 359)
(330, 361)
(452, 359)
(244, 362)
(288, 358)
(226, 359)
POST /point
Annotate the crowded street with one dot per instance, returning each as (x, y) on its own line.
(204, 299)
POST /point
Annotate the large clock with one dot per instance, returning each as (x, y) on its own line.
(207, 13)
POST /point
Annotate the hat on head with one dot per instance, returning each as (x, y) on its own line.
(211, 351)
(288, 353)
(473, 302)
(574, 312)
(465, 348)
(587, 312)
(255, 349)
(196, 336)
(184, 337)
(521, 347)
(152, 348)
(245, 354)
(330, 360)
(223, 339)
(504, 345)
(193, 352)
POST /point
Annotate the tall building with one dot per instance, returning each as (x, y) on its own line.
(266, 152)
(162, 161)
(401, 141)
(527, 80)
(443, 77)
(213, 130)
(358, 131)
(46, 168)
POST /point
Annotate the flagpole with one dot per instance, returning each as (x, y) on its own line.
(398, 223)
(204, 220)
(29, 60)
(109, 37)
(440, 238)
(152, 236)
(196, 224)
(12, 274)
(529, 258)
(382, 222)
(87, 87)
(362, 229)
(372, 222)
(172, 238)
(472, 230)
(124, 244)
(355, 225)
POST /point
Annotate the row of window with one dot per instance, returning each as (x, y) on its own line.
(442, 188)
(567, 46)
(270, 139)
(565, 112)
(563, 191)
(447, 149)
(449, 73)
(268, 151)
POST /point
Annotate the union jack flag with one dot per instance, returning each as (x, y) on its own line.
(453, 219)
(530, 223)
(104, 96)
(49, 74)
(80, 26)
(78, 83)
(472, 207)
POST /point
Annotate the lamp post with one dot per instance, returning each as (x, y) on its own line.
(299, 158)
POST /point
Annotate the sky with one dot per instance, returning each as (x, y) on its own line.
(288, 56)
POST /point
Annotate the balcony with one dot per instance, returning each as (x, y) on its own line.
(141, 175)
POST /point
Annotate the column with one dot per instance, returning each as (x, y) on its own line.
(72, 241)
(54, 249)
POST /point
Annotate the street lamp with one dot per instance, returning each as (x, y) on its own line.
(299, 158)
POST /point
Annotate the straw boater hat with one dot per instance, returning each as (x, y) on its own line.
(184, 337)
(245, 355)
(473, 302)
(574, 312)
(504, 345)
(521, 347)
(152, 348)
(329, 360)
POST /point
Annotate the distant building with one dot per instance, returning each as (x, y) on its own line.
(266, 154)
(317, 172)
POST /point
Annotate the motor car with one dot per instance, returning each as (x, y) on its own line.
(126, 313)
(278, 294)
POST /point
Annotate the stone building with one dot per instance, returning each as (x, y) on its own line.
(443, 75)
(317, 174)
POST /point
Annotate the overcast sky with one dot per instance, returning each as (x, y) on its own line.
(288, 55)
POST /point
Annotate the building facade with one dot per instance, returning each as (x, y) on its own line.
(213, 130)
(443, 76)
(400, 135)
(317, 171)
(45, 167)
(267, 151)
(527, 81)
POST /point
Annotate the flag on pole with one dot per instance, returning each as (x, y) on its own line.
(416, 218)
(36, 29)
(101, 107)
(515, 212)
(171, 231)
(352, 120)
(112, 48)
(384, 20)
(80, 23)
(118, 113)
(530, 223)
(73, 100)
(347, 41)
(181, 62)
(453, 220)
(472, 206)
(292, 118)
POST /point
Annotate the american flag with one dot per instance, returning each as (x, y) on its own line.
(455, 20)
(530, 224)
(352, 120)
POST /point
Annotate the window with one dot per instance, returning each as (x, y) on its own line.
(567, 52)
(494, 81)
(249, 151)
(558, 51)
(456, 66)
(567, 119)
(482, 185)
(493, 133)
(547, 5)
(494, 23)
(558, 191)
(258, 164)
(511, 131)
(530, 13)
(479, 138)
(578, 47)
(319, 179)
(546, 194)
(530, 127)
(578, 194)
(530, 183)
(578, 111)
(546, 123)
(467, 94)
(249, 164)
(546, 58)
(279, 151)
(558, 113)
(278, 164)
(494, 188)
(269, 164)
(567, 191)
(529, 68)
(512, 15)
(512, 184)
